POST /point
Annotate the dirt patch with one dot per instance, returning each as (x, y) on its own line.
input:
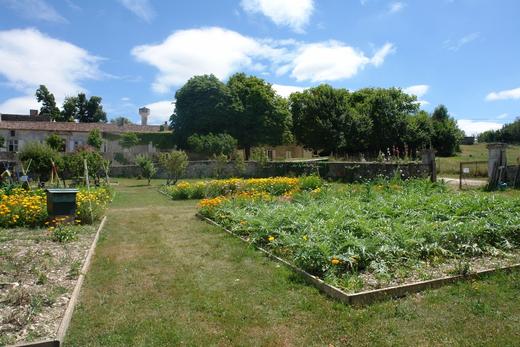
(37, 277)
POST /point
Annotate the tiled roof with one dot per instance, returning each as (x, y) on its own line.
(78, 127)
(23, 117)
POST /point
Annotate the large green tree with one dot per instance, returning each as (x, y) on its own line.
(446, 134)
(419, 131)
(84, 110)
(202, 106)
(49, 108)
(323, 119)
(258, 115)
(388, 109)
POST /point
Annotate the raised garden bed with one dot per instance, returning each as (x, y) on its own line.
(41, 260)
(363, 238)
(37, 278)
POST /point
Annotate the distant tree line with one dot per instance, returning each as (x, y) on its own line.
(323, 118)
(509, 133)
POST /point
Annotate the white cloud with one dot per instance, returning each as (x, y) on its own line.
(503, 116)
(35, 9)
(160, 111)
(19, 105)
(141, 8)
(285, 90)
(186, 53)
(332, 60)
(418, 90)
(396, 7)
(458, 44)
(504, 95)
(472, 127)
(381, 54)
(222, 52)
(23, 67)
(292, 13)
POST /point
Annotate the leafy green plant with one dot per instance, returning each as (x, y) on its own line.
(147, 166)
(56, 142)
(174, 163)
(41, 156)
(382, 227)
(62, 232)
(95, 139)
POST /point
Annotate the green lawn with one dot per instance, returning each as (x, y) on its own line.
(449, 166)
(160, 277)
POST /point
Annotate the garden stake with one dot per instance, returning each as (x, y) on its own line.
(88, 188)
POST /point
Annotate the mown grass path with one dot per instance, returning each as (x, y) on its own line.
(160, 277)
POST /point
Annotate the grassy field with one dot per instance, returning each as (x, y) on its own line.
(450, 165)
(161, 277)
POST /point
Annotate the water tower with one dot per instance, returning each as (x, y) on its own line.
(144, 113)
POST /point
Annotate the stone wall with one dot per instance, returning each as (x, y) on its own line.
(336, 171)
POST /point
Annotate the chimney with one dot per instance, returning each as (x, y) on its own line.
(33, 113)
(144, 113)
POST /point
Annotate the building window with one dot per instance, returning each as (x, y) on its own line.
(77, 144)
(13, 133)
(13, 145)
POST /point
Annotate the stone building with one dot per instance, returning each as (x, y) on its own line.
(17, 130)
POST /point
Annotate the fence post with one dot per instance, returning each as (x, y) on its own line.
(428, 158)
(460, 175)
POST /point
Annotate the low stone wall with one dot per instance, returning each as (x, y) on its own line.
(336, 171)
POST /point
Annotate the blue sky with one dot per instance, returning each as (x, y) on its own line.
(461, 53)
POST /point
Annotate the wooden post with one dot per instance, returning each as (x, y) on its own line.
(460, 176)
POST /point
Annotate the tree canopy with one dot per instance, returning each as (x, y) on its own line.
(246, 107)
(213, 144)
(509, 133)
(446, 134)
(48, 101)
(84, 110)
(371, 119)
(202, 106)
(258, 115)
(324, 119)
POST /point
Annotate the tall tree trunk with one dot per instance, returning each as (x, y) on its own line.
(247, 151)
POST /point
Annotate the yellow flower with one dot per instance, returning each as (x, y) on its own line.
(270, 238)
(335, 261)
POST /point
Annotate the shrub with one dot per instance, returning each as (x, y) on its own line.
(95, 139)
(75, 165)
(213, 144)
(174, 163)
(63, 232)
(41, 157)
(221, 161)
(56, 142)
(310, 182)
(147, 167)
